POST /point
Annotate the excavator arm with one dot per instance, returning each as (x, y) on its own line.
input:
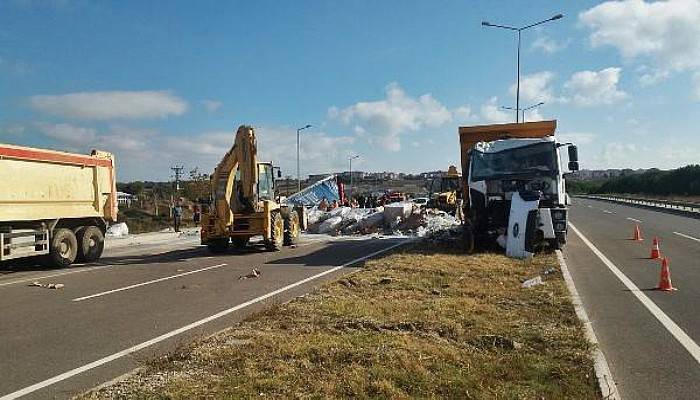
(235, 179)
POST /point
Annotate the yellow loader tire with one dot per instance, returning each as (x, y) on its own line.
(292, 228)
(276, 239)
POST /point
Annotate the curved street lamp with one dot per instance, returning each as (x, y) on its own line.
(519, 30)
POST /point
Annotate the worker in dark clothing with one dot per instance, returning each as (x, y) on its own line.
(177, 217)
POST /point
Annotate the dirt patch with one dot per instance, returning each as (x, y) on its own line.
(424, 322)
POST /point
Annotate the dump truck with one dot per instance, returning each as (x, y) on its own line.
(55, 204)
(514, 185)
(244, 202)
(444, 191)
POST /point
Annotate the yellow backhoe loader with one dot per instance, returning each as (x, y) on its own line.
(444, 191)
(243, 192)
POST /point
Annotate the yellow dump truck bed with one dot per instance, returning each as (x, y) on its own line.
(38, 184)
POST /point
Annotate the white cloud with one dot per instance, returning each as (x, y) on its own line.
(648, 76)
(696, 81)
(666, 32)
(386, 120)
(134, 148)
(67, 133)
(549, 45)
(592, 88)
(211, 105)
(535, 88)
(578, 138)
(110, 105)
(491, 112)
(464, 114)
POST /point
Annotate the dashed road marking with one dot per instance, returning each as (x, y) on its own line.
(635, 220)
(687, 236)
(77, 371)
(121, 289)
(608, 212)
(667, 322)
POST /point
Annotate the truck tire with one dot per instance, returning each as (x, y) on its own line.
(218, 246)
(292, 227)
(91, 244)
(276, 239)
(64, 248)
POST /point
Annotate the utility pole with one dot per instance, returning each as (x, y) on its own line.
(350, 158)
(519, 30)
(307, 126)
(177, 170)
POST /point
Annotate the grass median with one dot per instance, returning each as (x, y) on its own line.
(423, 322)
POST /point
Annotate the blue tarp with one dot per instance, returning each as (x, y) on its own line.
(326, 188)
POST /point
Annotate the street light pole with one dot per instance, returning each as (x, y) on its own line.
(350, 158)
(298, 164)
(519, 30)
(517, 90)
(523, 109)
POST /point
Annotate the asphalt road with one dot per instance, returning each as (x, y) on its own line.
(140, 302)
(650, 338)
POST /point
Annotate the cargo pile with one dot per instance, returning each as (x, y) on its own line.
(402, 218)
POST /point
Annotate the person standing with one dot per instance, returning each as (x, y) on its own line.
(177, 217)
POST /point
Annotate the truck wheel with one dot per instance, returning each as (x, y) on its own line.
(276, 240)
(292, 228)
(64, 248)
(239, 243)
(218, 245)
(91, 244)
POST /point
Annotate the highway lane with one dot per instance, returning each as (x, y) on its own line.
(646, 356)
(45, 333)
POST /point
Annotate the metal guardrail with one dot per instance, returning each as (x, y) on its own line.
(692, 208)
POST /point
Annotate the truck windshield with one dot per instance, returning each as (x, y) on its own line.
(535, 159)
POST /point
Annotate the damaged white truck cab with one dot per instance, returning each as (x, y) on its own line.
(515, 190)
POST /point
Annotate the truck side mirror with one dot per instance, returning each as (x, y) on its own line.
(573, 165)
(279, 173)
(573, 154)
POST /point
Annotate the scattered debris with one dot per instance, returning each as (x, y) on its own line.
(47, 285)
(533, 282)
(403, 218)
(118, 230)
(255, 273)
(385, 280)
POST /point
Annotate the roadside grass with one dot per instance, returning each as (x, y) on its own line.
(423, 322)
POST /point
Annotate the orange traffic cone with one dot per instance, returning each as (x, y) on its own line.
(665, 281)
(655, 253)
(637, 235)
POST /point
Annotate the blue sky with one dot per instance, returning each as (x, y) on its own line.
(160, 83)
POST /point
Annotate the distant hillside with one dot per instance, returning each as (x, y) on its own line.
(683, 181)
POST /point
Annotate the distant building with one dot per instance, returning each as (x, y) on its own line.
(125, 199)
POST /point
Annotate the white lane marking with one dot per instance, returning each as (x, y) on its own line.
(687, 236)
(76, 371)
(667, 322)
(635, 220)
(608, 212)
(36, 278)
(589, 206)
(121, 289)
